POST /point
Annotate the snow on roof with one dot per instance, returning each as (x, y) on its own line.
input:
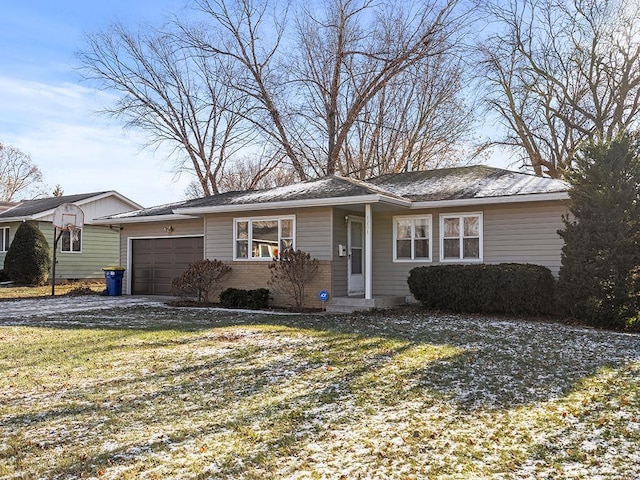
(166, 209)
(477, 181)
(322, 188)
(432, 185)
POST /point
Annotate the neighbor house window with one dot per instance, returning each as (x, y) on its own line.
(4, 239)
(262, 237)
(412, 238)
(461, 237)
(71, 241)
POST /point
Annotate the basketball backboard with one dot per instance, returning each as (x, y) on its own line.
(68, 217)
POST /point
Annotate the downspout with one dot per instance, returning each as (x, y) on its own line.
(368, 253)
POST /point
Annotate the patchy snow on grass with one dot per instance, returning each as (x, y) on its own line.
(155, 392)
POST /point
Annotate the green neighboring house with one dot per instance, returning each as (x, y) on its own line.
(81, 256)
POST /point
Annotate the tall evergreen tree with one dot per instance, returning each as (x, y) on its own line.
(598, 280)
(28, 259)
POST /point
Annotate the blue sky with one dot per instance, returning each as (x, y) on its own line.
(46, 111)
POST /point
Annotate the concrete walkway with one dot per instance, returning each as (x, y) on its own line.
(50, 306)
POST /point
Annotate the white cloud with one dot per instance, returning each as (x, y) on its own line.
(77, 148)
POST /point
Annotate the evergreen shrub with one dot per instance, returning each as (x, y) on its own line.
(512, 288)
(599, 279)
(28, 260)
(251, 299)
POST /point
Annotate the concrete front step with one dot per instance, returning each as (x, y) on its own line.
(352, 304)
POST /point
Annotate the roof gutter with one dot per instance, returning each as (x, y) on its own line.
(18, 219)
(321, 202)
(463, 202)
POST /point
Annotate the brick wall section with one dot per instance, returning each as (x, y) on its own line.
(251, 275)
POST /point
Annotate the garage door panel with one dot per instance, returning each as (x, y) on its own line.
(156, 262)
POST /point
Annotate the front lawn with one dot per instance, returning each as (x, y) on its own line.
(15, 292)
(189, 393)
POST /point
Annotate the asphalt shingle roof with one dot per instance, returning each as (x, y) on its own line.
(326, 187)
(28, 208)
(478, 181)
(159, 210)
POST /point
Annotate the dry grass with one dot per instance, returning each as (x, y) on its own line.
(191, 393)
(16, 292)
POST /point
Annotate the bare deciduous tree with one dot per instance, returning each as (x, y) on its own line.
(419, 116)
(175, 94)
(562, 73)
(347, 56)
(362, 65)
(249, 173)
(249, 35)
(354, 87)
(18, 173)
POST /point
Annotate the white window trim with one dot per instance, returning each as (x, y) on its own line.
(250, 234)
(71, 244)
(395, 239)
(4, 234)
(461, 259)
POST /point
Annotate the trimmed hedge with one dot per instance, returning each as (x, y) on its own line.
(512, 288)
(28, 260)
(251, 299)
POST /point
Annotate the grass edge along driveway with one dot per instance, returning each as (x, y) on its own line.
(188, 393)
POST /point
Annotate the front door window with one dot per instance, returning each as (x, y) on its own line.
(356, 255)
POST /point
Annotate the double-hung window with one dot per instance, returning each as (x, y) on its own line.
(461, 237)
(4, 239)
(71, 241)
(412, 238)
(262, 238)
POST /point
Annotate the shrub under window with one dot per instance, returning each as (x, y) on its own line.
(505, 288)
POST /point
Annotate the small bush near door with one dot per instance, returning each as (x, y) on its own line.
(291, 272)
(252, 299)
(200, 280)
(505, 288)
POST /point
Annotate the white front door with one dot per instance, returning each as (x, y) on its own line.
(355, 246)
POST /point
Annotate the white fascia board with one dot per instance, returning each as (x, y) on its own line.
(17, 219)
(147, 219)
(464, 202)
(324, 202)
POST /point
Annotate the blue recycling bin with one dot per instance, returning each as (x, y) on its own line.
(113, 277)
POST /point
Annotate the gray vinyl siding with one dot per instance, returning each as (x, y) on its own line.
(521, 233)
(389, 278)
(524, 233)
(181, 228)
(313, 231)
(339, 264)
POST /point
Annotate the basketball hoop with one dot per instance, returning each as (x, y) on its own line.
(66, 218)
(73, 231)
